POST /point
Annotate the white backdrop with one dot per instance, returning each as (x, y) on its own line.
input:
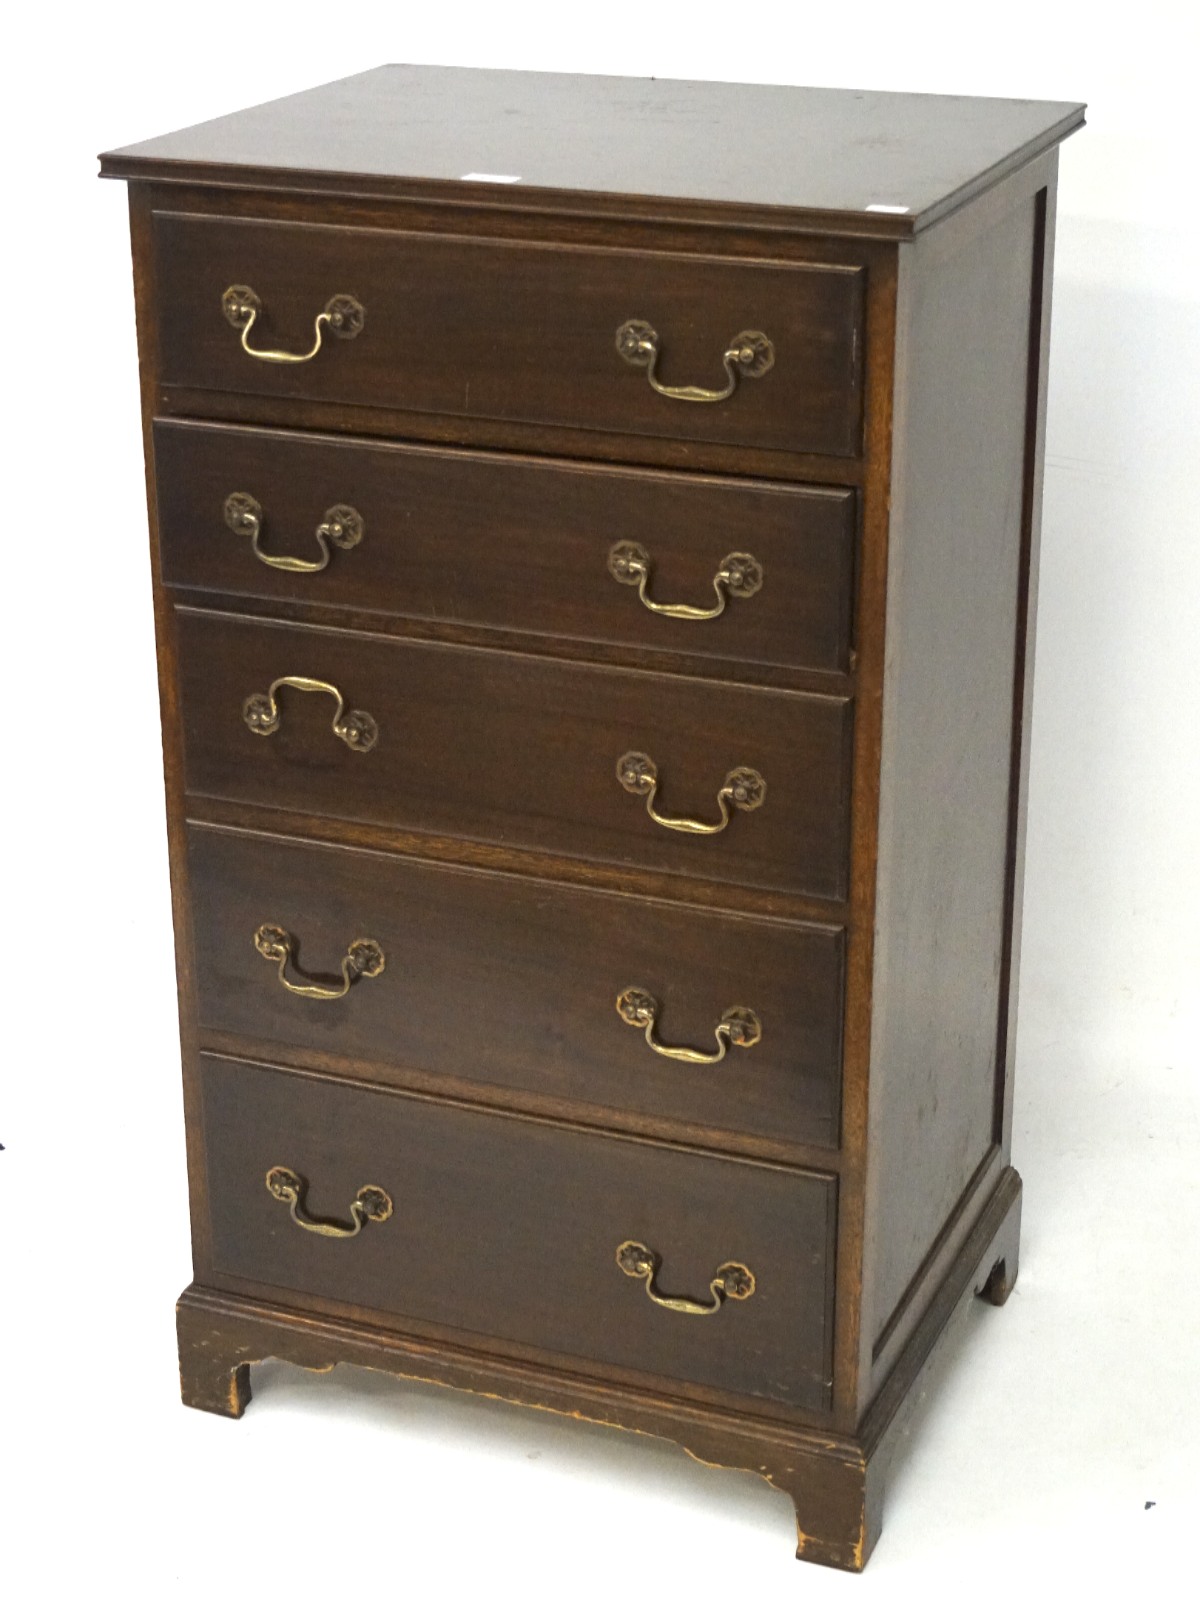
(1067, 1412)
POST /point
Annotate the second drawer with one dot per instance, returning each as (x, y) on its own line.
(514, 750)
(514, 983)
(541, 547)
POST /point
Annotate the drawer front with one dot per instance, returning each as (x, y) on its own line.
(514, 983)
(507, 1228)
(511, 749)
(510, 543)
(517, 332)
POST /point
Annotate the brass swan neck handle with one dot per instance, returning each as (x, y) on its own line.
(357, 730)
(370, 1204)
(342, 526)
(364, 960)
(743, 787)
(749, 354)
(738, 575)
(343, 316)
(737, 1027)
(732, 1281)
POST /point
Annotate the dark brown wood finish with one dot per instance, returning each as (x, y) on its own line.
(864, 814)
(506, 331)
(520, 751)
(835, 1482)
(879, 681)
(961, 540)
(602, 877)
(582, 145)
(146, 315)
(513, 544)
(262, 402)
(489, 1233)
(539, 967)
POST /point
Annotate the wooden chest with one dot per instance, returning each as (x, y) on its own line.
(594, 532)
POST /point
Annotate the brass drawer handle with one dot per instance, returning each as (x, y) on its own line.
(370, 1204)
(731, 1282)
(739, 575)
(341, 525)
(743, 787)
(356, 729)
(750, 354)
(364, 960)
(344, 316)
(739, 1026)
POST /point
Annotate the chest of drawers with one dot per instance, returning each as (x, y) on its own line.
(594, 531)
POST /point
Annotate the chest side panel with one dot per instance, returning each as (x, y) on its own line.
(966, 394)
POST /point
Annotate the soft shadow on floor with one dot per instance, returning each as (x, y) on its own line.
(647, 1464)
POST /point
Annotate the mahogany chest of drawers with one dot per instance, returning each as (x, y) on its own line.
(594, 535)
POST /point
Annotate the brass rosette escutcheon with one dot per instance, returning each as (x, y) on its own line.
(243, 514)
(342, 526)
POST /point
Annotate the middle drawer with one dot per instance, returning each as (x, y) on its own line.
(514, 984)
(511, 749)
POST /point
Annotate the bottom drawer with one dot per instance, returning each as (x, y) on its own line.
(510, 1228)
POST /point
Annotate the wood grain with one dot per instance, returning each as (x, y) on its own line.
(489, 1233)
(520, 751)
(514, 332)
(579, 143)
(513, 543)
(955, 601)
(886, 473)
(836, 1482)
(538, 968)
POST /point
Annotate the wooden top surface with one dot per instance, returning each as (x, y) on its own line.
(874, 161)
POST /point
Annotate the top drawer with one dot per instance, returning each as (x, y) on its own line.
(518, 332)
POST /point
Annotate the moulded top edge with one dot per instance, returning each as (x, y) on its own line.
(870, 163)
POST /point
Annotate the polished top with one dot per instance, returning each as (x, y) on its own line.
(881, 162)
